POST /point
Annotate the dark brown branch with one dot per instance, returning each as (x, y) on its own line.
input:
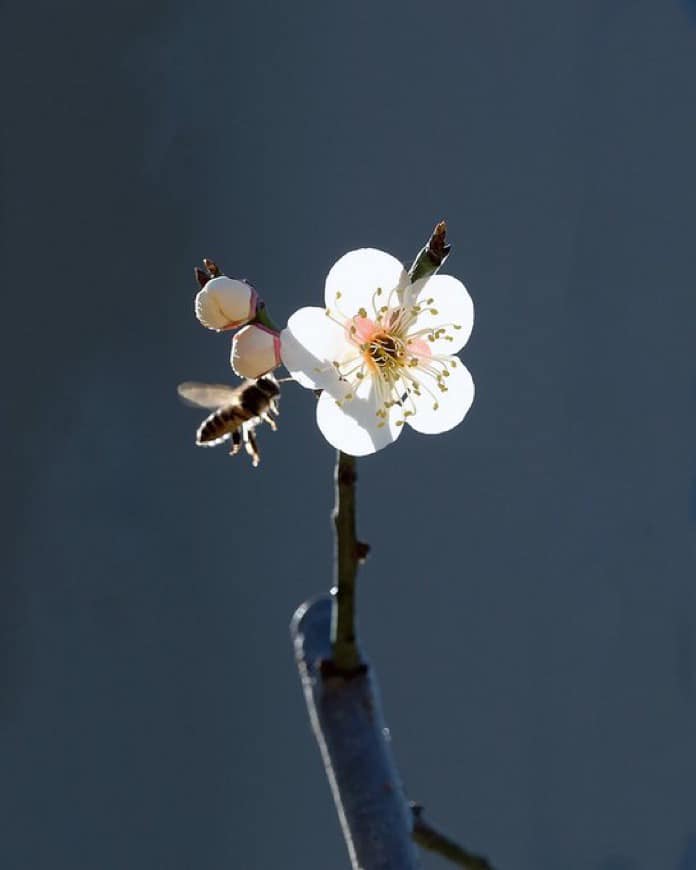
(431, 839)
(349, 553)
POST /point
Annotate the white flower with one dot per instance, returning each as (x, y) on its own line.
(382, 352)
(226, 303)
(255, 351)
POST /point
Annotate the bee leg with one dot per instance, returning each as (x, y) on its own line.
(236, 442)
(252, 448)
(267, 418)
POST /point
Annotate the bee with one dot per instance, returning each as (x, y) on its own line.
(238, 411)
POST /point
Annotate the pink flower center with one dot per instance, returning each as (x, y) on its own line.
(383, 347)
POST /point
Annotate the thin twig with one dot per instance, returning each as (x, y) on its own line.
(432, 255)
(346, 656)
(429, 838)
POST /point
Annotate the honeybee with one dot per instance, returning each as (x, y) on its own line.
(238, 411)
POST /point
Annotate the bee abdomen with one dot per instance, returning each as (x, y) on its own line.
(218, 426)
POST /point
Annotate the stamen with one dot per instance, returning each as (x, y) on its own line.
(378, 292)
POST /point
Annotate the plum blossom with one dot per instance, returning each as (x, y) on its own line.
(382, 352)
(255, 351)
(226, 303)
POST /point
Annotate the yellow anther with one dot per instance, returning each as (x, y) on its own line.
(338, 294)
(457, 325)
(362, 312)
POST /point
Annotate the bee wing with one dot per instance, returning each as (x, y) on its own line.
(207, 395)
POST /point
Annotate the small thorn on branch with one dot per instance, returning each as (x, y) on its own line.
(432, 840)
(361, 551)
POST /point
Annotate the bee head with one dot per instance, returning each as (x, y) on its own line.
(268, 386)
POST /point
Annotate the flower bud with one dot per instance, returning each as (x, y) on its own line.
(226, 303)
(255, 351)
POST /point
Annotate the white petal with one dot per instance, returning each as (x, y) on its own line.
(452, 405)
(453, 305)
(353, 426)
(225, 303)
(255, 351)
(310, 344)
(357, 275)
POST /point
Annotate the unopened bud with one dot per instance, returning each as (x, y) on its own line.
(226, 303)
(255, 351)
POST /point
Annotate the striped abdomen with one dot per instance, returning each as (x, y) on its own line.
(221, 424)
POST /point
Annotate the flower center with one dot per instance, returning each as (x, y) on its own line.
(383, 349)
(394, 353)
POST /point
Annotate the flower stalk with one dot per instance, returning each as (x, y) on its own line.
(348, 552)
(264, 318)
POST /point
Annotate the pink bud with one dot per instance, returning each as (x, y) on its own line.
(226, 303)
(255, 351)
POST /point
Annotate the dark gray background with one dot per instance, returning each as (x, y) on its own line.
(529, 604)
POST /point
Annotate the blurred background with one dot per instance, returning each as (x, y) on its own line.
(529, 603)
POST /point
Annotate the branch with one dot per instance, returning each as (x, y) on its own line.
(347, 721)
(432, 256)
(349, 551)
(346, 656)
(342, 698)
(431, 839)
